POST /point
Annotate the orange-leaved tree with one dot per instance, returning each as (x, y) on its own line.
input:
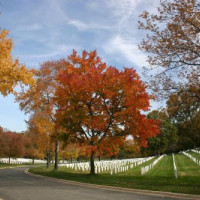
(11, 71)
(110, 147)
(99, 103)
(39, 131)
(41, 99)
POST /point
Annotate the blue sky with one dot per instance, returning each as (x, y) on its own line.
(50, 29)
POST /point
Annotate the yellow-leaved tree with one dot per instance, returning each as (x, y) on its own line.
(11, 71)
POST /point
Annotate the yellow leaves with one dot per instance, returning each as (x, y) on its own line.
(11, 72)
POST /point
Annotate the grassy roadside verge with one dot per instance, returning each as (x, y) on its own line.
(5, 165)
(160, 178)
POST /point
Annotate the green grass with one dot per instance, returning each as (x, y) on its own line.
(195, 155)
(160, 178)
(4, 165)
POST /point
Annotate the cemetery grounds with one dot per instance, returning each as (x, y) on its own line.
(161, 177)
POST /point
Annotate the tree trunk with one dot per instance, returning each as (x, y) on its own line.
(48, 160)
(158, 152)
(92, 167)
(9, 160)
(56, 154)
(33, 161)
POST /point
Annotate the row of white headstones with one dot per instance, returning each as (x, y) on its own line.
(175, 168)
(192, 158)
(150, 166)
(21, 161)
(113, 166)
(196, 151)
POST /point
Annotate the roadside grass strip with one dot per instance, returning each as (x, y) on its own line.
(150, 166)
(5, 165)
(175, 168)
(192, 158)
(112, 167)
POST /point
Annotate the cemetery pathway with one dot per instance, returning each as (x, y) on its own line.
(16, 185)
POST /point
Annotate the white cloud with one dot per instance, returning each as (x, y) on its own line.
(82, 26)
(128, 49)
(78, 24)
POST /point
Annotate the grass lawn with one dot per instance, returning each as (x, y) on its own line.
(195, 155)
(160, 178)
(3, 165)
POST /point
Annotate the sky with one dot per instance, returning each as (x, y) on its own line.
(44, 30)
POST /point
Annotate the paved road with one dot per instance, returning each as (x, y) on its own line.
(16, 185)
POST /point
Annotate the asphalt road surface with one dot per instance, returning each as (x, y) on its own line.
(16, 185)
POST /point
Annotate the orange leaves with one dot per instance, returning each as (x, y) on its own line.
(100, 102)
(11, 72)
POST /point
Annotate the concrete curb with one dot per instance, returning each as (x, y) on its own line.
(119, 189)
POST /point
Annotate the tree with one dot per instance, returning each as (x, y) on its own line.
(99, 103)
(40, 128)
(130, 149)
(11, 71)
(184, 111)
(3, 143)
(38, 143)
(70, 151)
(15, 144)
(41, 99)
(166, 141)
(110, 147)
(173, 44)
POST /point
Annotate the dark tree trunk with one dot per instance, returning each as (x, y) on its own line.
(56, 155)
(33, 161)
(9, 160)
(158, 152)
(92, 167)
(99, 158)
(48, 160)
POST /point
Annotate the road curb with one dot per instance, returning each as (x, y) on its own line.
(135, 191)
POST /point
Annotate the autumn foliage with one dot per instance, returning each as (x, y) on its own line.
(11, 71)
(99, 103)
(39, 100)
(172, 43)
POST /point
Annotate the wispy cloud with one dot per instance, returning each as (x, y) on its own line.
(123, 9)
(128, 49)
(83, 26)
